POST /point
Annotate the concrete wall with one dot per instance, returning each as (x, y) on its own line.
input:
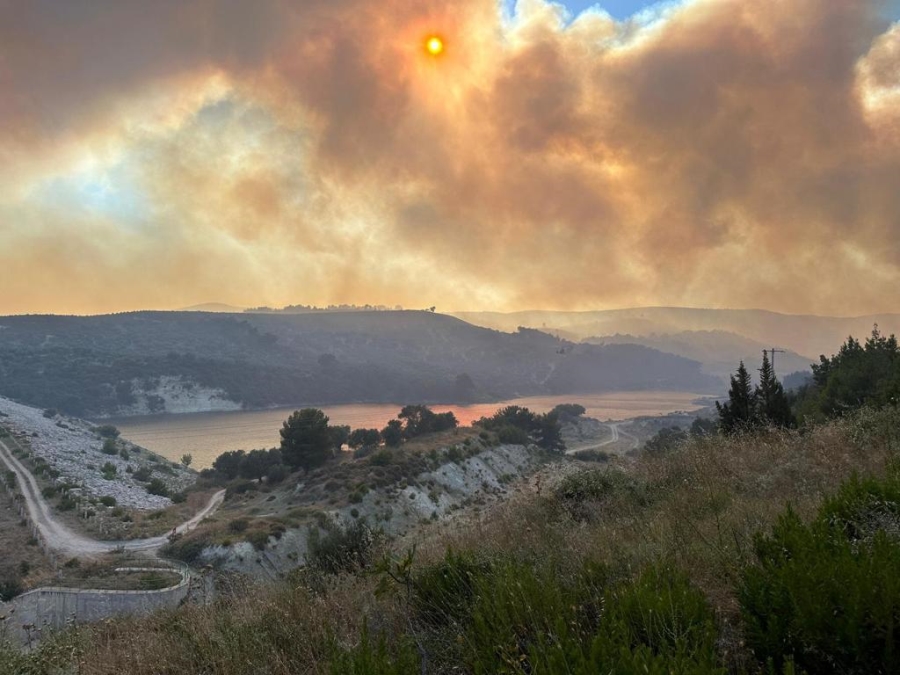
(37, 613)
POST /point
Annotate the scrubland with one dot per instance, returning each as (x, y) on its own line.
(771, 552)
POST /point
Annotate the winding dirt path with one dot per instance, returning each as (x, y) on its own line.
(616, 435)
(60, 538)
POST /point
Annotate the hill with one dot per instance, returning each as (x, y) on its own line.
(718, 351)
(805, 335)
(152, 362)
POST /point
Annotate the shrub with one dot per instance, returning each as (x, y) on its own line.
(108, 470)
(110, 447)
(592, 455)
(157, 487)
(10, 583)
(827, 594)
(107, 431)
(276, 474)
(521, 617)
(238, 525)
(189, 548)
(259, 539)
(375, 659)
(510, 435)
(49, 492)
(143, 474)
(383, 457)
(340, 549)
(242, 487)
(107, 500)
(582, 493)
(444, 592)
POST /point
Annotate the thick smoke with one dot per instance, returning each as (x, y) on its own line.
(718, 153)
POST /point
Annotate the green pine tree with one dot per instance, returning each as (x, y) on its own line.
(738, 414)
(771, 403)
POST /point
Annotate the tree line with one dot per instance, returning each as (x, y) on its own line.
(860, 374)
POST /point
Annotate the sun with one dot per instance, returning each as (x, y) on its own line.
(434, 45)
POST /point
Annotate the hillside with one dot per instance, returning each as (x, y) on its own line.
(803, 334)
(718, 351)
(152, 362)
(675, 562)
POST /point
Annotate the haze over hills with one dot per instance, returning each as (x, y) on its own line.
(806, 335)
(154, 362)
(718, 351)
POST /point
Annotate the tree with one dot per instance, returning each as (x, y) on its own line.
(738, 413)
(364, 438)
(547, 432)
(702, 426)
(257, 463)
(186, 460)
(569, 411)
(229, 463)
(392, 434)
(420, 419)
(856, 376)
(771, 403)
(665, 440)
(305, 439)
(339, 435)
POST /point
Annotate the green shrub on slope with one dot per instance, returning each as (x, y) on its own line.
(827, 594)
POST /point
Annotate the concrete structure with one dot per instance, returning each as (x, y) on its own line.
(33, 615)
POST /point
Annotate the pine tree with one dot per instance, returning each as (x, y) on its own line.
(739, 412)
(771, 403)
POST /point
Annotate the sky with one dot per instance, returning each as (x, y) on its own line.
(706, 153)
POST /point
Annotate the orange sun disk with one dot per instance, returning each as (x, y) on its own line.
(434, 45)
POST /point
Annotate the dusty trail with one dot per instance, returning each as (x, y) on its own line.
(616, 434)
(60, 538)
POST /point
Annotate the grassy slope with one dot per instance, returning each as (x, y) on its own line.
(697, 509)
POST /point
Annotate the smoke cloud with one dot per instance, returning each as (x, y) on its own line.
(717, 153)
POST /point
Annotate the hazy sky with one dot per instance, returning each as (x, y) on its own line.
(725, 153)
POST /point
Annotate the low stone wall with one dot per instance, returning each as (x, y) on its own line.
(33, 615)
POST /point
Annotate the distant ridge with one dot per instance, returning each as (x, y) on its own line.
(214, 307)
(806, 335)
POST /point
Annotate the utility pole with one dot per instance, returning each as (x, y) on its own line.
(773, 351)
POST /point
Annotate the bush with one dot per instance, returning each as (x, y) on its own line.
(444, 592)
(108, 470)
(107, 500)
(592, 455)
(110, 447)
(188, 548)
(157, 487)
(375, 659)
(582, 493)
(827, 594)
(238, 525)
(107, 431)
(342, 549)
(143, 474)
(521, 617)
(383, 457)
(277, 473)
(10, 583)
(259, 539)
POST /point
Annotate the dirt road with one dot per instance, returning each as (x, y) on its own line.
(616, 435)
(60, 538)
